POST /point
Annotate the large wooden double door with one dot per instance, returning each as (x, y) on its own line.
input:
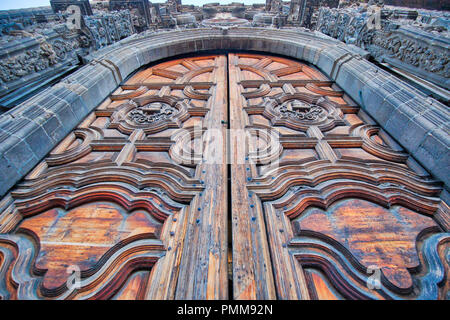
(226, 176)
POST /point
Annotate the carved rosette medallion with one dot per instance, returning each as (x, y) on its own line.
(300, 111)
(149, 113)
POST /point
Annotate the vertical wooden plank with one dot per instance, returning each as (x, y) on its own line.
(335, 206)
(252, 270)
(203, 268)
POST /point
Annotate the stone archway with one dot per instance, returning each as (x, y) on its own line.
(42, 122)
(318, 197)
(416, 121)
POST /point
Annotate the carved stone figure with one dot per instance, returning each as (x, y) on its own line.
(62, 5)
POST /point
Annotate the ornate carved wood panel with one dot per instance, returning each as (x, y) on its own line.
(325, 204)
(134, 203)
(119, 203)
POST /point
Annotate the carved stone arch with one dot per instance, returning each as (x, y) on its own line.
(364, 82)
(330, 163)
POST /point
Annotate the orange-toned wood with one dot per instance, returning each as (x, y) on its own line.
(142, 198)
(252, 270)
(117, 202)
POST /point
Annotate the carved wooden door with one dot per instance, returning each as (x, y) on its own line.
(244, 172)
(325, 205)
(118, 210)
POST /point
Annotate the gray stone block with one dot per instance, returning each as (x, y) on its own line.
(395, 125)
(351, 83)
(39, 142)
(8, 173)
(414, 132)
(383, 110)
(53, 128)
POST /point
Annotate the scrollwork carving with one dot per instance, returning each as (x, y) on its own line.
(299, 110)
(153, 112)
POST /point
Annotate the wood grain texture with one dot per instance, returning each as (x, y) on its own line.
(252, 272)
(113, 200)
(373, 235)
(342, 201)
(143, 196)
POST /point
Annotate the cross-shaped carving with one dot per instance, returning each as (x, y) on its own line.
(295, 107)
(128, 147)
(323, 148)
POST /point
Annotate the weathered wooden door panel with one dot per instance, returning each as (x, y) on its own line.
(344, 208)
(118, 210)
(204, 268)
(135, 202)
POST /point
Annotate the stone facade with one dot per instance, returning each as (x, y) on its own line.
(140, 10)
(415, 42)
(303, 12)
(412, 41)
(63, 5)
(106, 28)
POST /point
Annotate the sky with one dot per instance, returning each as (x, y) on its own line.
(18, 4)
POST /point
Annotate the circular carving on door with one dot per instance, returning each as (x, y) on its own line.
(149, 113)
(299, 111)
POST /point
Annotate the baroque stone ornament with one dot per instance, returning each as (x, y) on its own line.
(150, 113)
(300, 111)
